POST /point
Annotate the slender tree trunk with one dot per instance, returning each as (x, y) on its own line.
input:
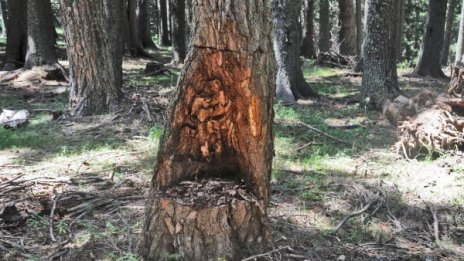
(164, 26)
(291, 84)
(220, 126)
(40, 34)
(125, 29)
(347, 32)
(178, 37)
(189, 20)
(400, 29)
(324, 26)
(444, 55)
(96, 73)
(16, 41)
(144, 25)
(308, 48)
(4, 16)
(460, 45)
(359, 27)
(379, 81)
(429, 57)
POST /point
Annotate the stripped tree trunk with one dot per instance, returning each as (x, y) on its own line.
(40, 34)
(444, 55)
(220, 126)
(16, 40)
(429, 57)
(460, 45)
(4, 16)
(291, 84)
(380, 82)
(95, 59)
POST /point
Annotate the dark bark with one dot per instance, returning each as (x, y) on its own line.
(40, 34)
(359, 26)
(324, 26)
(144, 25)
(291, 84)
(460, 45)
(16, 41)
(95, 59)
(4, 16)
(163, 33)
(429, 57)
(178, 35)
(347, 34)
(380, 81)
(136, 47)
(308, 47)
(400, 29)
(220, 125)
(444, 55)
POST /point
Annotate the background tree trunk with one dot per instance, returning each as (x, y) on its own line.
(163, 33)
(460, 45)
(308, 48)
(144, 25)
(400, 29)
(359, 27)
(96, 73)
(4, 16)
(16, 40)
(220, 126)
(379, 82)
(444, 55)
(40, 34)
(324, 26)
(291, 84)
(179, 44)
(429, 58)
(347, 34)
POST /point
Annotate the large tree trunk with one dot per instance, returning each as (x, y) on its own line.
(347, 34)
(291, 84)
(40, 34)
(379, 82)
(144, 25)
(179, 44)
(460, 45)
(95, 59)
(324, 26)
(444, 55)
(4, 17)
(429, 58)
(220, 127)
(163, 33)
(16, 41)
(308, 48)
(359, 27)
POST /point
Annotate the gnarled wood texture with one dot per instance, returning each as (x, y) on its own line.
(220, 126)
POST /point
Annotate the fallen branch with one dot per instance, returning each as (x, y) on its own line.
(255, 257)
(316, 130)
(353, 214)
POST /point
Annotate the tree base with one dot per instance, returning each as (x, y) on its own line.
(230, 225)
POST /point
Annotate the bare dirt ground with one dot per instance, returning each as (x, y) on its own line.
(74, 189)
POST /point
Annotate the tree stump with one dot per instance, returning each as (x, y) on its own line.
(210, 188)
(457, 81)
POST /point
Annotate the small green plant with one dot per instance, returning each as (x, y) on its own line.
(312, 195)
(171, 257)
(62, 227)
(127, 257)
(155, 133)
(37, 222)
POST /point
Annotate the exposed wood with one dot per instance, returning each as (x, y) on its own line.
(457, 81)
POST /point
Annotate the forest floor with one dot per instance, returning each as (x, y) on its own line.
(75, 188)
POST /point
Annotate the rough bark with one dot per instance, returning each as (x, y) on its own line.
(16, 41)
(308, 48)
(429, 57)
(359, 26)
(178, 35)
(163, 33)
(4, 16)
(460, 45)
(347, 34)
(220, 126)
(444, 55)
(291, 84)
(144, 25)
(379, 82)
(95, 59)
(324, 26)
(135, 44)
(40, 34)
